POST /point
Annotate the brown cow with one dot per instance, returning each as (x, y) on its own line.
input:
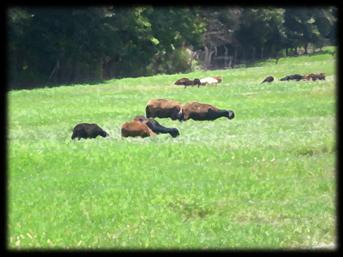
(314, 77)
(199, 111)
(182, 81)
(163, 108)
(268, 79)
(136, 128)
(219, 79)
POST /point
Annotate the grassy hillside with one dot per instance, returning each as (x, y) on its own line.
(265, 179)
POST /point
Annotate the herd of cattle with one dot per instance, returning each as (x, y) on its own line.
(297, 77)
(146, 126)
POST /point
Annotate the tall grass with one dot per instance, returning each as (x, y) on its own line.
(265, 179)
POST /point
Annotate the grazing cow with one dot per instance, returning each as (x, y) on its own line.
(268, 79)
(192, 83)
(182, 81)
(310, 76)
(321, 76)
(199, 111)
(163, 108)
(136, 128)
(314, 77)
(86, 130)
(187, 82)
(296, 77)
(157, 127)
(197, 82)
(219, 79)
(209, 80)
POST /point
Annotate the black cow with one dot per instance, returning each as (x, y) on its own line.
(182, 81)
(87, 130)
(187, 82)
(296, 77)
(157, 127)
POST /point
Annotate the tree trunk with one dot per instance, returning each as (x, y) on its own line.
(306, 46)
(230, 61)
(206, 57)
(100, 75)
(261, 52)
(210, 58)
(192, 58)
(243, 57)
(234, 57)
(225, 56)
(54, 70)
(215, 54)
(70, 67)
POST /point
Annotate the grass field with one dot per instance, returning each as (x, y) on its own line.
(265, 179)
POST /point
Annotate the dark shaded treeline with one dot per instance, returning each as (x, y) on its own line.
(51, 46)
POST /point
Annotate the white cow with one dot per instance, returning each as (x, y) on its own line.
(209, 80)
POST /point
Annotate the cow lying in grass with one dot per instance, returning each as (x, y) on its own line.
(144, 127)
(219, 79)
(199, 111)
(87, 130)
(210, 80)
(163, 108)
(182, 81)
(187, 82)
(296, 77)
(314, 77)
(192, 83)
(268, 79)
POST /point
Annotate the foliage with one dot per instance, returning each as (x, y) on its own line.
(179, 60)
(304, 26)
(261, 28)
(78, 45)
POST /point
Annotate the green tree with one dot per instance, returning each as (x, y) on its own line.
(73, 45)
(221, 24)
(173, 31)
(307, 25)
(261, 30)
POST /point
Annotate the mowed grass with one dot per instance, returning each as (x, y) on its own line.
(265, 179)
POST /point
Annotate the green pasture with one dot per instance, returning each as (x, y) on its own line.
(264, 180)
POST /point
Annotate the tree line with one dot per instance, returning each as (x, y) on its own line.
(51, 46)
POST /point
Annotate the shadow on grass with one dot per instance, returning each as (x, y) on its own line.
(189, 209)
(308, 151)
(51, 85)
